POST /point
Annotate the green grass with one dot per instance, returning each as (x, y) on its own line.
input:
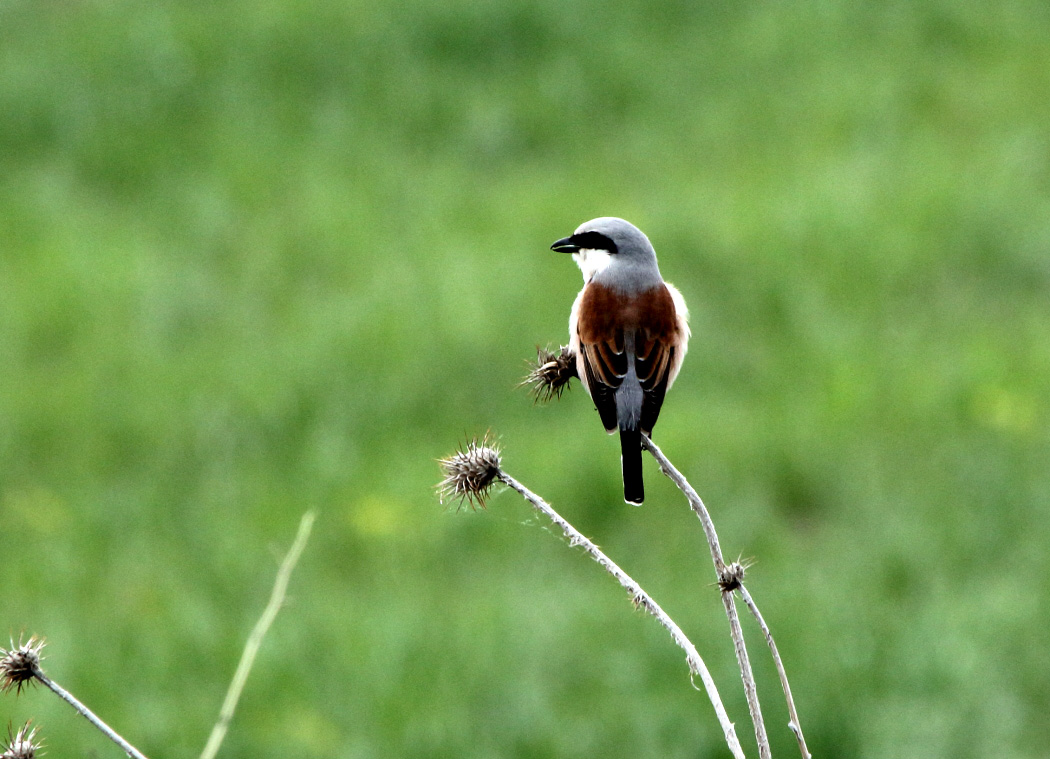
(257, 258)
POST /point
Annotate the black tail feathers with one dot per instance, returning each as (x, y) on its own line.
(631, 462)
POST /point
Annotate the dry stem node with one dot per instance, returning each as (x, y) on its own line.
(550, 376)
(21, 745)
(21, 664)
(470, 473)
(731, 577)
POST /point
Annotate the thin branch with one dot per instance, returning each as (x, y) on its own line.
(89, 715)
(640, 598)
(794, 724)
(727, 583)
(748, 677)
(255, 640)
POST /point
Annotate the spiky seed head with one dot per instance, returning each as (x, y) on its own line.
(20, 664)
(732, 576)
(21, 745)
(470, 473)
(550, 376)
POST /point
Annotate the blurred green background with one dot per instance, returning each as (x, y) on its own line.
(261, 257)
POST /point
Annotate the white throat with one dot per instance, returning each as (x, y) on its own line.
(591, 261)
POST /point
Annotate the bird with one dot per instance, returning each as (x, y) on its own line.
(629, 330)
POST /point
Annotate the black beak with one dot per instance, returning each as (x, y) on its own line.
(565, 245)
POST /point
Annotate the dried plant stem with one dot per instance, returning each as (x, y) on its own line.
(640, 598)
(746, 674)
(794, 724)
(255, 640)
(87, 714)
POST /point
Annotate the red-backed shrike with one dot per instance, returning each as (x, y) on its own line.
(629, 330)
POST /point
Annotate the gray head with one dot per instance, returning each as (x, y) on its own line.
(613, 251)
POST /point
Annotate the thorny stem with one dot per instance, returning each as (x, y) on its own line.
(746, 674)
(640, 598)
(796, 728)
(89, 715)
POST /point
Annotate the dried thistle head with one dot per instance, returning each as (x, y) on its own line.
(470, 473)
(549, 377)
(21, 745)
(731, 576)
(20, 664)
